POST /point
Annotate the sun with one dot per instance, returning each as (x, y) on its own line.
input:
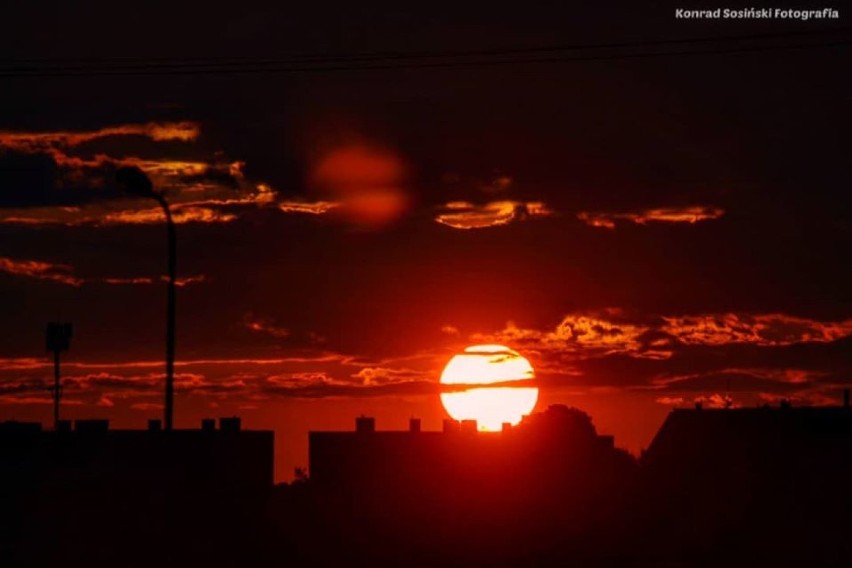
(489, 406)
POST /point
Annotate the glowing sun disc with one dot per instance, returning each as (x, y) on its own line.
(489, 406)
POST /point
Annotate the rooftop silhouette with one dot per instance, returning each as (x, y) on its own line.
(743, 480)
(722, 486)
(129, 497)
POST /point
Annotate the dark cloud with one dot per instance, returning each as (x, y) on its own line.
(36, 180)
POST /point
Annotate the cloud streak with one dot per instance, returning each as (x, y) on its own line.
(579, 334)
(611, 331)
(589, 352)
(64, 274)
(466, 215)
(762, 329)
(40, 270)
(264, 326)
(690, 215)
(31, 142)
(308, 207)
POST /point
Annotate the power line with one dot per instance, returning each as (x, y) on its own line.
(366, 56)
(414, 60)
(443, 53)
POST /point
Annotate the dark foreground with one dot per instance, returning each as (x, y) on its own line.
(738, 487)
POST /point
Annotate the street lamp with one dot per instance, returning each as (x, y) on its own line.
(134, 181)
(57, 340)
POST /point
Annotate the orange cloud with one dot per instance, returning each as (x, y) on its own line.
(264, 326)
(313, 208)
(322, 357)
(104, 215)
(146, 406)
(783, 376)
(39, 270)
(308, 374)
(120, 281)
(158, 131)
(465, 215)
(160, 170)
(764, 329)
(820, 396)
(21, 364)
(669, 400)
(372, 376)
(598, 333)
(788, 376)
(148, 280)
(715, 400)
(661, 215)
(322, 385)
(114, 386)
(186, 280)
(180, 214)
(11, 399)
(583, 334)
(314, 384)
(610, 332)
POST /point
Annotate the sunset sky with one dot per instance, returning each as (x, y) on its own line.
(649, 231)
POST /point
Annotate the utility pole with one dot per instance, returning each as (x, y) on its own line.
(57, 340)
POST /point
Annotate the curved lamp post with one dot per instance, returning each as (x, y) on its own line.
(134, 181)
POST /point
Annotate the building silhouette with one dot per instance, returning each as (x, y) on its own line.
(485, 496)
(128, 497)
(731, 486)
(749, 485)
(398, 460)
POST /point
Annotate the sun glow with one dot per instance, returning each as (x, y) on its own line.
(489, 406)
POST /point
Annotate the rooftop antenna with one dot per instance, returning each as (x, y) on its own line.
(57, 340)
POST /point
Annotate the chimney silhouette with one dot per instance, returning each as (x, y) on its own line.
(365, 424)
(845, 398)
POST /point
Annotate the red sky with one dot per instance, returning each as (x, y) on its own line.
(649, 232)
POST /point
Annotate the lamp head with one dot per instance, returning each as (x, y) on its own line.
(134, 181)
